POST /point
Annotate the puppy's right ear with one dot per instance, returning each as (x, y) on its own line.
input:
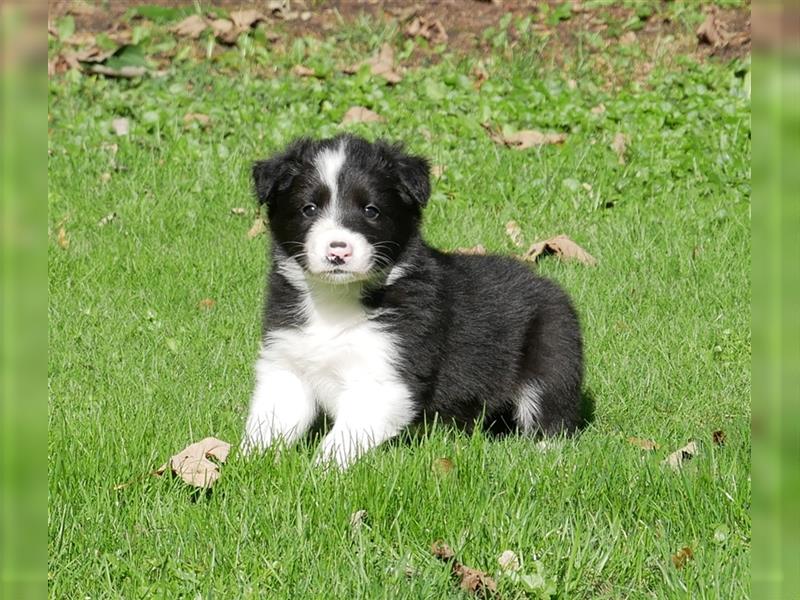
(275, 175)
(271, 177)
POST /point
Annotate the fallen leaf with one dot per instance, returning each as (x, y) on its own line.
(619, 144)
(238, 210)
(522, 140)
(508, 561)
(199, 117)
(442, 466)
(105, 177)
(475, 580)
(207, 303)
(121, 126)
(191, 27)
(225, 31)
(683, 555)
(359, 114)
(63, 240)
(427, 27)
(303, 71)
(479, 249)
(244, 19)
(257, 228)
(80, 8)
(561, 246)
(676, 459)
(599, 109)
(628, 38)
(480, 74)
(107, 219)
(129, 72)
(711, 31)
(193, 464)
(382, 65)
(471, 580)
(442, 551)
(357, 520)
(438, 170)
(643, 444)
(81, 38)
(718, 437)
(515, 233)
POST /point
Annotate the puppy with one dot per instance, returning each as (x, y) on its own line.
(367, 323)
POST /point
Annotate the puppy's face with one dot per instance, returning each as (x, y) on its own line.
(343, 208)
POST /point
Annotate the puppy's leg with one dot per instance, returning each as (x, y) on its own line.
(281, 410)
(367, 414)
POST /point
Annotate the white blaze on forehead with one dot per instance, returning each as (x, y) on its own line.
(329, 163)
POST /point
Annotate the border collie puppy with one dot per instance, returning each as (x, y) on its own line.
(365, 322)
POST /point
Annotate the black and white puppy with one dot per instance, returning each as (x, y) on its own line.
(366, 323)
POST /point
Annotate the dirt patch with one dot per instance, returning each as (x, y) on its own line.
(466, 21)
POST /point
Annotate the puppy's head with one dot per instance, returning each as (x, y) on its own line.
(344, 208)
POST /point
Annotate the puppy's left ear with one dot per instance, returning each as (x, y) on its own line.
(415, 183)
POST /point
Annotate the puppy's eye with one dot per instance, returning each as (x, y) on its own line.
(309, 210)
(371, 211)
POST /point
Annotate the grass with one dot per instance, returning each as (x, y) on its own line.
(137, 369)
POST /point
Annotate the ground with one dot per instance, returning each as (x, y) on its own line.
(157, 267)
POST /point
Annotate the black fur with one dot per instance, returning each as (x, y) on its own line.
(473, 330)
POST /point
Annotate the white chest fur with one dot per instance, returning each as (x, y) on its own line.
(339, 362)
(337, 348)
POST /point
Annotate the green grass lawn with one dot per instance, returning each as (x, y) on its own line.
(138, 368)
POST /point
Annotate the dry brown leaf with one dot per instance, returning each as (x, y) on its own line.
(643, 443)
(619, 145)
(711, 31)
(427, 27)
(479, 249)
(599, 109)
(107, 219)
(199, 117)
(121, 126)
(92, 55)
(225, 31)
(193, 464)
(442, 551)
(244, 19)
(683, 555)
(382, 64)
(508, 561)
(81, 38)
(442, 466)
(522, 140)
(359, 114)
(207, 303)
(718, 437)
(257, 228)
(303, 71)
(471, 580)
(480, 74)
(628, 38)
(80, 8)
(191, 27)
(515, 233)
(63, 240)
(238, 210)
(122, 72)
(475, 580)
(561, 246)
(677, 458)
(438, 170)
